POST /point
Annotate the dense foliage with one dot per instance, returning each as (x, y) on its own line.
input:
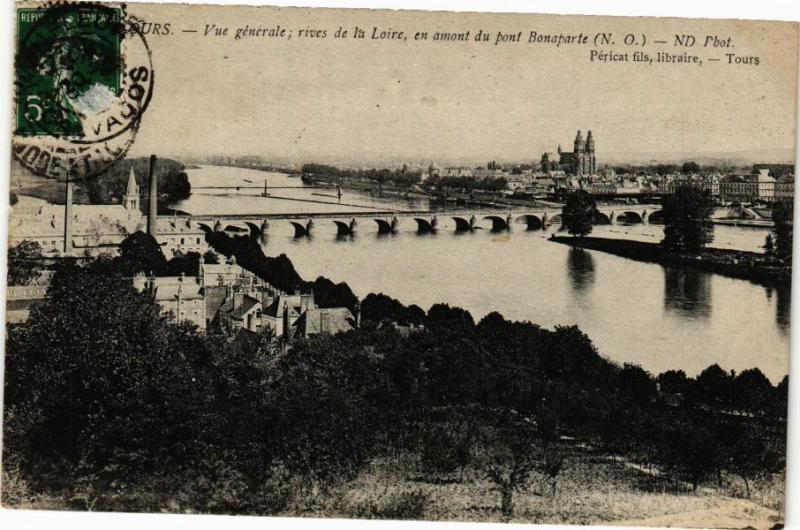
(111, 185)
(24, 262)
(579, 213)
(783, 216)
(467, 183)
(687, 220)
(402, 177)
(139, 252)
(280, 272)
(112, 406)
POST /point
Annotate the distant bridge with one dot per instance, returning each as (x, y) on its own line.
(427, 221)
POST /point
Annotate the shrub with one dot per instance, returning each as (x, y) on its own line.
(14, 489)
(446, 447)
(215, 487)
(405, 505)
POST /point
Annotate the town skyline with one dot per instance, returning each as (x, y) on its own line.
(736, 158)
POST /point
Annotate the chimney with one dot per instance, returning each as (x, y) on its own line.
(285, 321)
(68, 218)
(306, 301)
(152, 216)
(238, 299)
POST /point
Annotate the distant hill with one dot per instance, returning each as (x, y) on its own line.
(716, 158)
(110, 186)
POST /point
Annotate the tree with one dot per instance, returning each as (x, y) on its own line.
(783, 217)
(140, 253)
(749, 456)
(578, 213)
(103, 387)
(781, 398)
(752, 392)
(188, 264)
(713, 387)
(769, 245)
(550, 464)
(24, 262)
(379, 307)
(689, 450)
(635, 385)
(211, 257)
(687, 220)
(450, 319)
(329, 294)
(689, 168)
(510, 464)
(673, 382)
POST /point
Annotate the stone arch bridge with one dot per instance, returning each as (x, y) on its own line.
(427, 222)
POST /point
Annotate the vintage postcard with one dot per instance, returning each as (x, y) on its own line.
(399, 264)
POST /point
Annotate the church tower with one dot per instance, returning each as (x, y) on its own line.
(579, 155)
(131, 198)
(590, 160)
(578, 143)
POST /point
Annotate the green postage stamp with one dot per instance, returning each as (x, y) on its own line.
(69, 58)
(83, 80)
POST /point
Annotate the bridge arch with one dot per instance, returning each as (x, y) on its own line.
(345, 229)
(301, 230)
(386, 227)
(237, 228)
(534, 222)
(255, 230)
(205, 227)
(601, 218)
(555, 219)
(426, 227)
(498, 223)
(629, 217)
(656, 217)
(462, 225)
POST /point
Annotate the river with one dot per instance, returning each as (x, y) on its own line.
(658, 317)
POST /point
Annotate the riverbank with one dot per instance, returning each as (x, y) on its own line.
(732, 263)
(366, 186)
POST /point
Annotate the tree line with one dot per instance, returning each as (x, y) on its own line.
(687, 221)
(111, 405)
(403, 177)
(467, 183)
(111, 185)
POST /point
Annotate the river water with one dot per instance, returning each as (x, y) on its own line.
(659, 317)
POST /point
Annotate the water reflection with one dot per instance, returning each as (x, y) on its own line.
(783, 305)
(687, 292)
(580, 268)
(524, 276)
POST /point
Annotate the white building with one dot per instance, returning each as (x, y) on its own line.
(99, 228)
(181, 297)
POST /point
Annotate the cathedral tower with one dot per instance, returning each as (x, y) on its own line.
(590, 160)
(578, 143)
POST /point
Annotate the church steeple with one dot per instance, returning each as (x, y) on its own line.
(131, 199)
(589, 142)
(578, 143)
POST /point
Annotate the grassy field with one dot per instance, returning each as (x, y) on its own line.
(592, 489)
